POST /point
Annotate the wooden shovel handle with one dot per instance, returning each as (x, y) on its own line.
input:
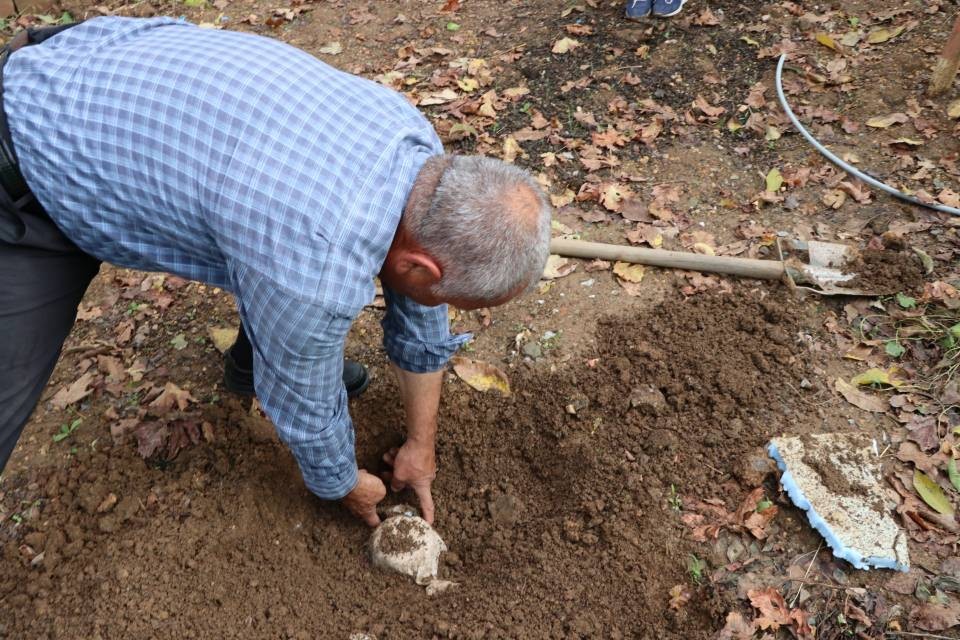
(746, 267)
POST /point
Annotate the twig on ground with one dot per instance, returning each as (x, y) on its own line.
(805, 574)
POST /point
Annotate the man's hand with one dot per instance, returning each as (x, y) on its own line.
(415, 466)
(362, 501)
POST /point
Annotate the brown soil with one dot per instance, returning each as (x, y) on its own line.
(886, 272)
(562, 504)
(399, 537)
(551, 517)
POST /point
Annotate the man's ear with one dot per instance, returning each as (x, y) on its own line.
(420, 267)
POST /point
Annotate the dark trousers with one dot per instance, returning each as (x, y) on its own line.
(43, 276)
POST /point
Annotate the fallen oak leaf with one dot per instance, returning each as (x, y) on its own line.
(736, 628)
(171, 396)
(73, 392)
(481, 376)
(881, 35)
(772, 607)
(679, 596)
(934, 616)
(150, 438)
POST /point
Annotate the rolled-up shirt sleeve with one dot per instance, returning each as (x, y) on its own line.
(416, 337)
(298, 365)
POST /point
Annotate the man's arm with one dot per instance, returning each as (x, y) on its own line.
(415, 463)
(298, 360)
(418, 341)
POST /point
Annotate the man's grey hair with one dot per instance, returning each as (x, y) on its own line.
(488, 225)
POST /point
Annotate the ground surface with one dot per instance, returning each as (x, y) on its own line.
(620, 491)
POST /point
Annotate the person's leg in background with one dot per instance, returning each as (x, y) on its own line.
(636, 9)
(40, 290)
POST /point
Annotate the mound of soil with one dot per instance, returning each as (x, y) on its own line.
(558, 504)
(886, 272)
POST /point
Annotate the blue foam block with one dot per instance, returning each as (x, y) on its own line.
(840, 550)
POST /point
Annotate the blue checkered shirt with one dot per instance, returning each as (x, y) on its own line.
(243, 162)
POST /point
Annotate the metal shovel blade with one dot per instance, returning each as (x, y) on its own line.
(826, 269)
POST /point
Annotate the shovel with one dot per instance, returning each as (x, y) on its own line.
(823, 271)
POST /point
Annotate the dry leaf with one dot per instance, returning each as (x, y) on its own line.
(171, 396)
(563, 199)
(481, 375)
(222, 337)
(773, 610)
(511, 149)
(882, 35)
(736, 628)
(332, 48)
(826, 40)
(73, 392)
(613, 195)
(679, 596)
(931, 493)
(931, 616)
(953, 111)
(861, 399)
(629, 272)
(557, 267)
(883, 122)
(563, 45)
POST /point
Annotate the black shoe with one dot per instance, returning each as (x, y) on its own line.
(355, 378)
(240, 381)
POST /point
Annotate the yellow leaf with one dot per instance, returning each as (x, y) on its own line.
(629, 272)
(774, 180)
(772, 133)
(222, 337)
(481, 375)
(882, 35)
(468, 85)
(515, 92)
(879, 376)
(827, 41)
(563, 199)
(733, 125)
(750, 41)
(953, 110)
(563, 45)
(511, 149)
(931, 493)
(704, 248)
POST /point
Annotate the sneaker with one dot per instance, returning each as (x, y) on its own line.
(238, 380)
(637, 9)
(667, 8)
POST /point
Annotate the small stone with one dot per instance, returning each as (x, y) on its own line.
(533, 350)
(754, 467)
(436, 587)
(108, 503)
(648, 400)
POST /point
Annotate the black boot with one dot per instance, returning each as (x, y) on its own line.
(239, 380)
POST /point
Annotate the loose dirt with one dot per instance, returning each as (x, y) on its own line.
(554, 517)
(886, 272)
